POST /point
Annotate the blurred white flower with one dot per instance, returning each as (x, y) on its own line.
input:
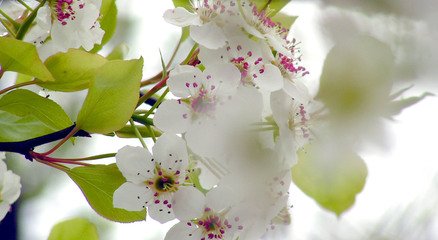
(10, 188)
(204, 217)
(152, 180)
(202, 96)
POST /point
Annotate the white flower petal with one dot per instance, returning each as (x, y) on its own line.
(220, 198)
(208, 35)
(135, 163)
(181, 17)
(205, 138)
(225, 77)
(173, 116)
(271, 79)
(278, 44)
(210, 57)
(162, 211)
(185, 83)
(132, 197)
(171, 151)
(188, 203)
(3, 167)
(11, 187)
(4, 209)
(184, 231)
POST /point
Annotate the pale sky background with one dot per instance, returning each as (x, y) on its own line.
(402, 176)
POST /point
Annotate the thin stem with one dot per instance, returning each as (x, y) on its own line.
(216, 174)
(175, 51)
(142, 120)
(157, 103)
(152, 80)
(17, 86)
(153, 90)
(12, 21)
(10, 30)
(151, 131)
(25, 5)
(137, 133)
(96, 157)
(215, 166)
(54, 165)
(73, 131)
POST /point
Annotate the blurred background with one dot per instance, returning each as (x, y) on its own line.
(400, 198)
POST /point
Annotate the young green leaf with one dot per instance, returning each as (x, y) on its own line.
(331, 182)
(23, 103)
(108, 21)
(73, 70)
(357, 78)
(22, 57)
(112, 96)
(274, 5)
(98, 183)
(73, 229)
(15, 129)
(182, 3)
(285, 20)
(119, 52)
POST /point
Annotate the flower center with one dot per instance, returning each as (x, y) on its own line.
(212, 224)
(204, 102)
(298, 121)
(164, 181)
(63, 10)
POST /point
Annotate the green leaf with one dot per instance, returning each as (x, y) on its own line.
(15, 129)
(21, 78)
(333, 181)
(112, 97)
(128, 132)
(73, 229)
(22, 57)
(24, 103)
(285, 20)
(119, 52)
(73, 70)
(182, 3)
(396, 107)
(108, 21)
(274, 5)
(357, 78)
(98, 183)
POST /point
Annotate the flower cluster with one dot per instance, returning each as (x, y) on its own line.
(245, 84)
(64, 24)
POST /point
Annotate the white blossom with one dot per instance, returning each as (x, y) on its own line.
(152, 180)
(10, 188)
(69, 23)
(206, 20)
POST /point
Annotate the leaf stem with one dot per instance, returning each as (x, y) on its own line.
(137, 133)
(54, 165)
(153, 90)
(12, 21)
(151, 131)
(73, 132)
(160, 100)
(28, 22)
(25, 5)
(17, 86)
